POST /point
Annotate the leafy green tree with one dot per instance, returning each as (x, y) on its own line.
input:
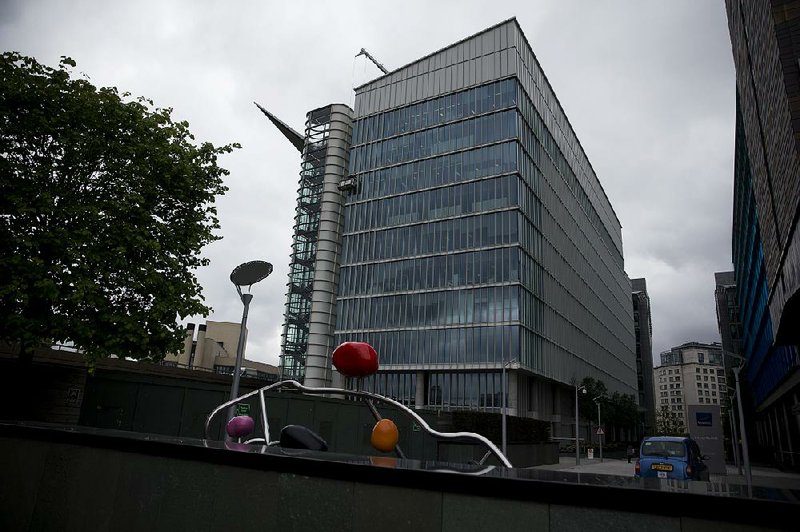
(669, 423)
(623, 410)
(586, 402)
(617, 410)
(105, 204)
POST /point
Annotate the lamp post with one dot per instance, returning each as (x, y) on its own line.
(597, 402)
(246, 274)
(505, 404)
(735, 437)
(745, 451)
(582, 389)
(748, 475)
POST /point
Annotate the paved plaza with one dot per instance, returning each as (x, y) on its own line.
(762, 476)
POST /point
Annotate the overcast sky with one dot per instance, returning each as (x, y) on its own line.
(647, 85)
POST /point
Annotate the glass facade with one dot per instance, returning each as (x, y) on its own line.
(431, 256)
(443, 249)
(477, 233)
(767, 365)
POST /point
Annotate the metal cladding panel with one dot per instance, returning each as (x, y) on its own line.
(471, 62)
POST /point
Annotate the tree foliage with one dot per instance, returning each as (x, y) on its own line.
(617, 409)
(586, 401)
(669, 423)
(105, 204)
(623, 410)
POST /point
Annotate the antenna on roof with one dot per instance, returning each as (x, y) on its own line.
(367, 54)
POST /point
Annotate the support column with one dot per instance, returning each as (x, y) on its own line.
(186, 355)
(322, 319)
(199, 349)
(419, 392)
(513, 397)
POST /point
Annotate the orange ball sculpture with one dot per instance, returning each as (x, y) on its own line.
(385, 435)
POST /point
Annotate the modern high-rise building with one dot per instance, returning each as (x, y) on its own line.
(643, 329)
(690, 374)
(476, 236)
(766, 241)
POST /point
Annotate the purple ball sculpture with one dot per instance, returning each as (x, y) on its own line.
(240, 426)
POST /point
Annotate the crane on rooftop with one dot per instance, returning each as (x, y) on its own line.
(364, 52)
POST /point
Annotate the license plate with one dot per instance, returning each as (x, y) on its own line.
(662, 474)
(661, 467)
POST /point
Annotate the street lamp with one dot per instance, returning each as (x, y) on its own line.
(505, 403)
(597, 402)
(745, 451)
(734, 434)
(246, 274)
(581, 389)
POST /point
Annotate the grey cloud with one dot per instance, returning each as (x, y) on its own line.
(647, 85)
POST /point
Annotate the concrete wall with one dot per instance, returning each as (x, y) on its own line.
(519, 454)
(66, 481)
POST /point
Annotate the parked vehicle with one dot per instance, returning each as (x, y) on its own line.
(671, 457)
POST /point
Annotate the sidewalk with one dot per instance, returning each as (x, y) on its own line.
(609, 466)
(762, 476)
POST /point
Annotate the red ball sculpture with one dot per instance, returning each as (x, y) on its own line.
(355, 359)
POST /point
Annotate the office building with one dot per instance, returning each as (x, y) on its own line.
(477, 235)
(474, 235)
(690, 374)
(212, 348)
(643, 329)
(766, 242)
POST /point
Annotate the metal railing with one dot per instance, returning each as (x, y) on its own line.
(369, 396)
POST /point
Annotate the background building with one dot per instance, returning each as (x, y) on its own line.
(213, 348)
(690, 374)
(643, 329)
(766, 242)
(728, 320)
(478, 235)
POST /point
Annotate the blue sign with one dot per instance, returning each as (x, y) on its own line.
(703, 419)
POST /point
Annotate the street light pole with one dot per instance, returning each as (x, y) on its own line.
(503, 413)
(597, 400)
(505, 405)
(237, 368)
(246, 274)
(578, 388)
(735, 436)
(748, 475)
(745, 451)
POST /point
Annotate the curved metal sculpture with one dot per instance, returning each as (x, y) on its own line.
(294, 385)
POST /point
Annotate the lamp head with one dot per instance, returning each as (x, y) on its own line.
(250, 273)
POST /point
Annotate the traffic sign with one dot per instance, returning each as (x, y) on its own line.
(600, 431)
(242, 409)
